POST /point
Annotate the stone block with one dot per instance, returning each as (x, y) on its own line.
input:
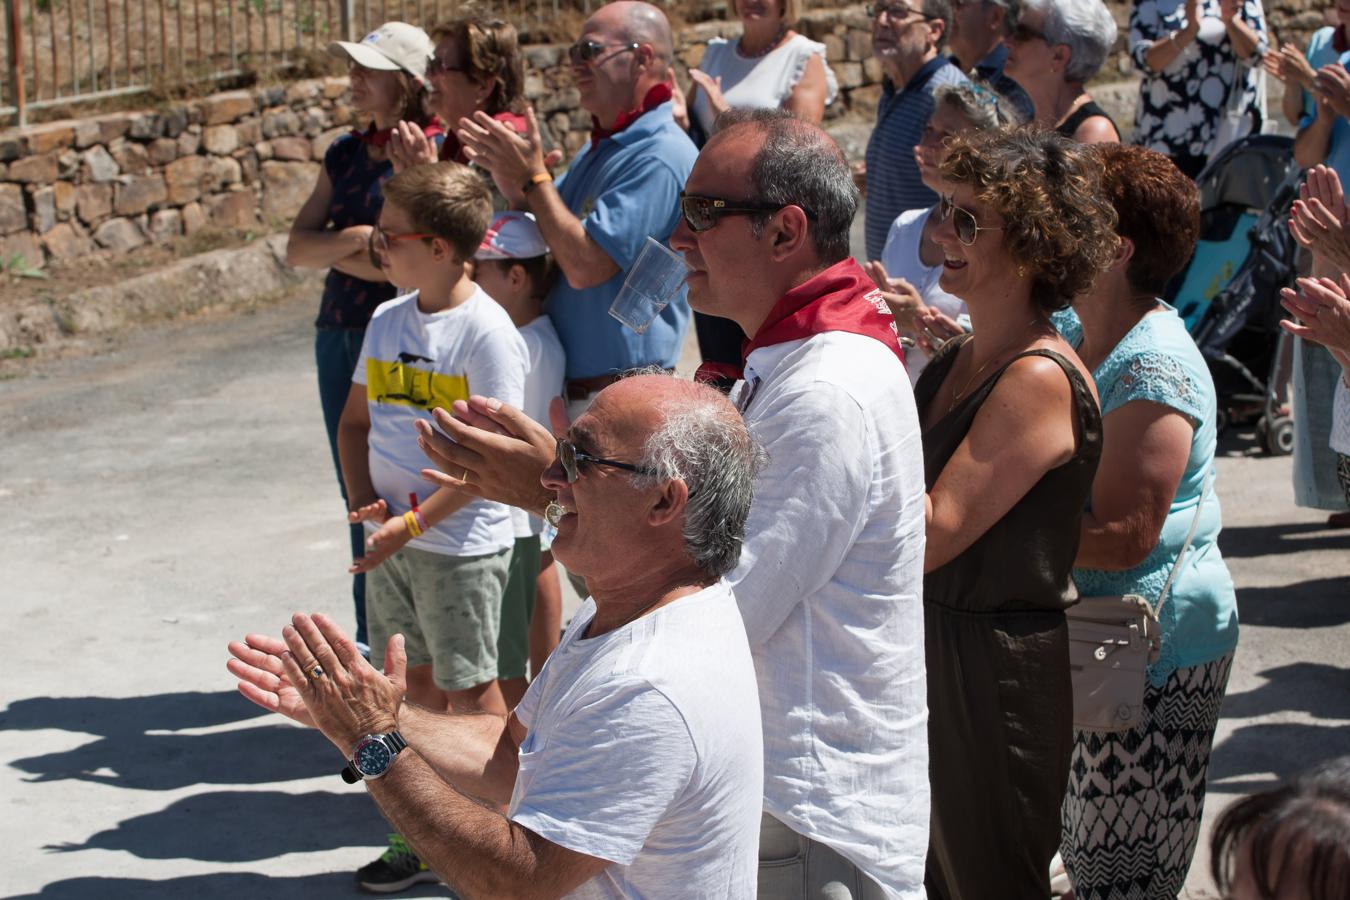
(119, 235)
(280, 122)
(112, 127)
(858, 44)
(25, 246)
(579, 120)
(534, 85)
(313, 121)
(693, 56)
(44, 209)
(52, 136)
(13, 213)
(221, 172)
(248, 165)
(67, 163)
(286, 186)
(321, 143)
(87, 133)
(67, 241)
(139, 193)
(194, 218)
(99, 165)
(335, 87)
(93, 202)
(850, 74)
(250, 130)
(865, 100)
(290, 148)
(263, 149)
(184, 178)
(41, 169)
(174, 122)
(9, 148)
(163, 151)
(835, 50)
(271, 96)
(146, 127)
(226, 107)
(305, 91)
(545, 56)
(65, 198)
(130, 156)
(189, 142)
(221, 140)
(566, 100)
(872, 71)
(235, 209)
(165, 225)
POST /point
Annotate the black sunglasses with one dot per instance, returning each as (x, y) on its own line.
(896, 12)
(963, 221)
(588, 50)
(1024, 33)
(437, 66)
(571, 458)
(702, 213)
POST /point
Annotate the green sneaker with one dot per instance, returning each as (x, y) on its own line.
(397, 869)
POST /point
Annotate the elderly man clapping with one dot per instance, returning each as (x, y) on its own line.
(633, 766)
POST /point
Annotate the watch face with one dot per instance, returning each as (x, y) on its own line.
(372, 757)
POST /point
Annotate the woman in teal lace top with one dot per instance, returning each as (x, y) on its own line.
(1132, 810)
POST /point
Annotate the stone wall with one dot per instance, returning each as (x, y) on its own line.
(246, 160)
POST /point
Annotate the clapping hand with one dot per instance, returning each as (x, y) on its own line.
(1228, 10)
(1332, 84)
(712, 89)
(901, 297)
(1318, 219)
(409, 146)
(1289, 65)
(1322, 308)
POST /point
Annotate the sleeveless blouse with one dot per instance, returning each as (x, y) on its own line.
(358, 193)
(763, 82)
(999, 696)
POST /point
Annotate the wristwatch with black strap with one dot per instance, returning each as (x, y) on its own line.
(373, 756)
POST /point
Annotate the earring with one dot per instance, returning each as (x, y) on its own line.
(1021, 271)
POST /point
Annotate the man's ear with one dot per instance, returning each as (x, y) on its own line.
(669, 504)
(787, 231)
(937, 30)
(645, 54)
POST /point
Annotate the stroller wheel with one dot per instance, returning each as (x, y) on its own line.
(1276, 435)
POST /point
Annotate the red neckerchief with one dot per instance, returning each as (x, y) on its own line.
(379, 137)
(1339, 43)
(453, 151)
(842, 298)
(655, 97)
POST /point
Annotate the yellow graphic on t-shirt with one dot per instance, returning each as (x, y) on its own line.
(400, 383)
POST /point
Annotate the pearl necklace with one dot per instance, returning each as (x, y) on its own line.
(769, 48)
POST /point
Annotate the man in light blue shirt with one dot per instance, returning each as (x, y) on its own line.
(623, 187)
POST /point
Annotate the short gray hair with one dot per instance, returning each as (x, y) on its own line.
(1085, 27)
(983, 107)
(800, 165)
(704, 443)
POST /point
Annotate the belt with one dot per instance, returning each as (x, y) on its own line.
(581, 388)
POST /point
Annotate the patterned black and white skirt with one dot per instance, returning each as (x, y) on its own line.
(1131, 813)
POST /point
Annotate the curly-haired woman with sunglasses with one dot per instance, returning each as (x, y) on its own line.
(1011, 439)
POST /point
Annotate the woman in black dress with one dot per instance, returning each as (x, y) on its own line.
(1011, 435)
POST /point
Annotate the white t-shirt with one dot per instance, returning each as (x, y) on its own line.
(644, 749)
(542, 384)
(765, 82)
(830, 584)
(901, 259)
(412, 362)
(1340, 418)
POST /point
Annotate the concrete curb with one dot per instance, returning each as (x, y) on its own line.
(239, 278)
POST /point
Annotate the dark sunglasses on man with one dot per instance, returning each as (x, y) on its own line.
(589, 50)
(572, 459)
(896, 12)
(1023, 34)
(702, 213)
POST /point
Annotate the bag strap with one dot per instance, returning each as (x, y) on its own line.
(1190, 536)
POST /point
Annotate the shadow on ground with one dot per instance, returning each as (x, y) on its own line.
(139, 749)
(219, 886)
(1288, 537)
(1264, 749)
(1316, 603)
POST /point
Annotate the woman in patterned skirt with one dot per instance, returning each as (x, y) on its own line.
(1132, 810)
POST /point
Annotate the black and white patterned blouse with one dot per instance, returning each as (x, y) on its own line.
(1180, 107)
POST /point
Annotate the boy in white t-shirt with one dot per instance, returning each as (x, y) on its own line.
(437, 561)
(512, 264)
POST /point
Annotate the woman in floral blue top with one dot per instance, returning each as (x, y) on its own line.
(1132, 810)
(1194, 54)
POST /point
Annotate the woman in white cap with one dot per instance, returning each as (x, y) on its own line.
(335, 226)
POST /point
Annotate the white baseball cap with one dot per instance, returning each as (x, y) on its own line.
(512, 235)
(392, 47)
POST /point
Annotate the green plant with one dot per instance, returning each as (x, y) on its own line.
(17, 353)
(19, 267)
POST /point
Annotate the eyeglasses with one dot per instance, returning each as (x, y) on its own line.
(1024, 33)
(437, 66)
(571, 458)
(381, 239)
(588, 50)
(702, 213)
(895, 12)
(963, 221)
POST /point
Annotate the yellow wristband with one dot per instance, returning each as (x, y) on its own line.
(536, 179)
(411, 521)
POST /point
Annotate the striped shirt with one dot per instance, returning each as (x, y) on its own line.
(893, 183)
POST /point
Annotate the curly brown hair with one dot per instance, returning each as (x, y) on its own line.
(1047, 188)
(1157, 210)
(489, 48)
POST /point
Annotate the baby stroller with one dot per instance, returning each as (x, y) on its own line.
(1229, 292)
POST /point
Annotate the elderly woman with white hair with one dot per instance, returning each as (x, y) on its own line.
(1200, 60)
(1055, 47)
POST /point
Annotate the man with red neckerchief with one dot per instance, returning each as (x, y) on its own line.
(831, 574)
(620, 189)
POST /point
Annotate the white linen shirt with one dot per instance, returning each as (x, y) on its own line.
(830, 586)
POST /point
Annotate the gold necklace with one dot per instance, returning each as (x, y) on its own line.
(956, 396)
